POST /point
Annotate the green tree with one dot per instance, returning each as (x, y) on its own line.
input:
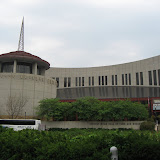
(49, 108)
(86, 108)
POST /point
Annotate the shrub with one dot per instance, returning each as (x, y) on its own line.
(147, 126)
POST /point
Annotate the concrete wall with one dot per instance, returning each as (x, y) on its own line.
(132, 68)
(32, 87)
(93, 124)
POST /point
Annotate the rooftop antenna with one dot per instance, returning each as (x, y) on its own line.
(21, 38)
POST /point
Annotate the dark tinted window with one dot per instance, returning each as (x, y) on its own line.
(65, 82)
(159, 77)
(57, 79)
(141, 77)
(24, 68)
(150, 77)
(92, 81)
(18, 122)
(99, 79)
(89, 81)
(69, 81)
(126, 79)
(76, 81)
(115, 79)
(102, 80)
(112, 79)
(129, 79)
(155, 77)
(122, 79)
(105, 80)
(82, 81)
(7, 67)
(79, 81)
(137, 78)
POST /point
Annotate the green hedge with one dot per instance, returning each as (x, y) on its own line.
(78, 144)
(91, 109)
(148, 125)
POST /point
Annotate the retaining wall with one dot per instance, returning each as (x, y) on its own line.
(93, 124)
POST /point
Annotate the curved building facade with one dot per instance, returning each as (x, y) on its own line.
(22, 76)
(139, 80)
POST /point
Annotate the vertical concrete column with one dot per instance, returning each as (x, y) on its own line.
(34, 68)
(14, 66)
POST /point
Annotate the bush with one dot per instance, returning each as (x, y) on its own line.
(91, 109)
(78, 144)
(149, 125)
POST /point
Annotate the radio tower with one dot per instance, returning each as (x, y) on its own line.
(21, 38)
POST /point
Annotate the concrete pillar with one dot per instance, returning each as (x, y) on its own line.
(34, 69)
(14, 66)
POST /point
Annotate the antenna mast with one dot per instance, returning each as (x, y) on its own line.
(21, 38)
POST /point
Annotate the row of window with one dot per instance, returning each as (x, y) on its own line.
(103, 80)
(21, 67)
(126, 79)
(153, 80)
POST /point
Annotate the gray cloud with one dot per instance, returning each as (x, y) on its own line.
(83, 33)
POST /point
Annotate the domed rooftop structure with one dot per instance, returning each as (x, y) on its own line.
(22, 62)
(21, 56)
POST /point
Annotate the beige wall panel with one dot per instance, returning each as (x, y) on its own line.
(132, 67)
(29, 86)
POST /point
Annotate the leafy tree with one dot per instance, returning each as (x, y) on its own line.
(91, 109)
(86, 108)
(48, 108)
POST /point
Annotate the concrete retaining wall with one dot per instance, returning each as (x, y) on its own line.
(93, 124)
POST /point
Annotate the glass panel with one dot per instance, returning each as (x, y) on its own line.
(141, 77)
(159, 77)
(150, 77)
(112, 79)
(57, 79)
(69, 81)
(7, 67)
(129, 79)
(39, 71)
(79, 81)
(155, 77)
(76, 81)
(122, 79)
(24, 67)
(137, 78)
(92, 81)
(89, 81)
(82, 81)
(105, 80)
(99, 80)
(65, 82)
(126, 79)
(116, 79)
(102, 80)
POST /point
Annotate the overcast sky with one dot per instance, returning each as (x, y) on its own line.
(82, 33)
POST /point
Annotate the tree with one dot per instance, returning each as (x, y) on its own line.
(15, 104)
(49, 108)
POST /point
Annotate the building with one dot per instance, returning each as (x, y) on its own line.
(22, 78)
(138, 81)
(25, 76)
